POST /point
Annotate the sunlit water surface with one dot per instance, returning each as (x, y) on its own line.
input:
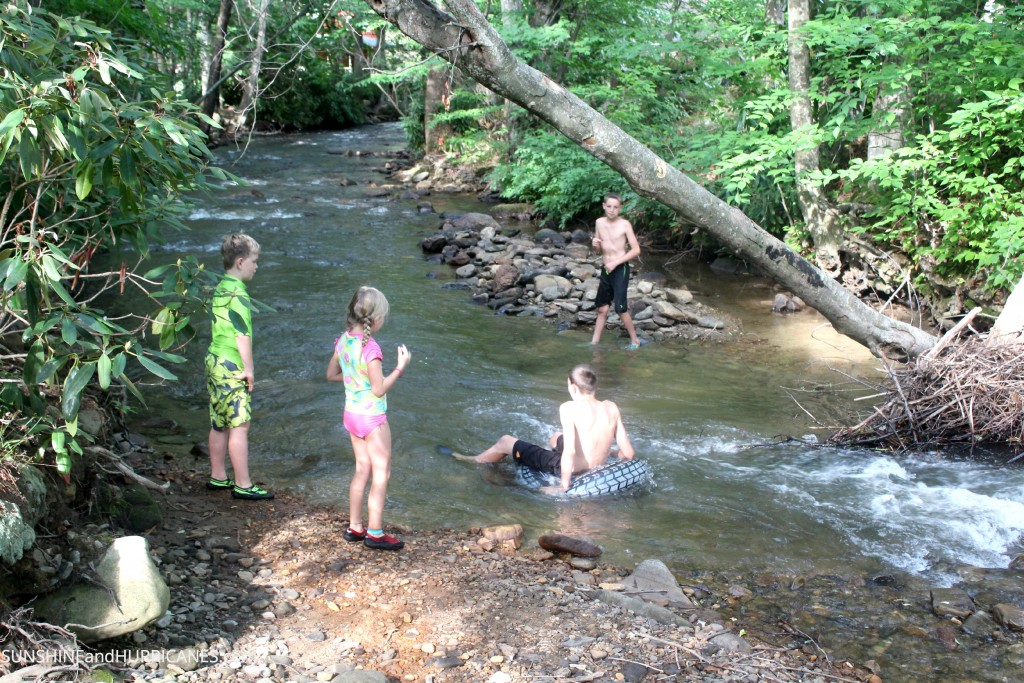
(730, 494)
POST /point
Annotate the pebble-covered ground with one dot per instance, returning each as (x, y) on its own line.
(270, 591)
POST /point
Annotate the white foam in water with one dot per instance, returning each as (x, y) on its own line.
(914, 515)
(206, 214)
(186, 246)
(280, 213)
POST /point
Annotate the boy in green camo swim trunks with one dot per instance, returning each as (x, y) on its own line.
(229, 370)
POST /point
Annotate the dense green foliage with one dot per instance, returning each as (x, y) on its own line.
(708, 90)
(306, 80)
(705, 86)
(94, 159)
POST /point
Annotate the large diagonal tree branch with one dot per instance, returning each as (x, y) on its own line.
(468, 41)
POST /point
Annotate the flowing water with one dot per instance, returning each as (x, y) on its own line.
(730, 496)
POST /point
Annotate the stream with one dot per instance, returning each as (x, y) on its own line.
(848, 541)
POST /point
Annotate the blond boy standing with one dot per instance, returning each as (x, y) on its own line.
(614, 236)
(229, 370)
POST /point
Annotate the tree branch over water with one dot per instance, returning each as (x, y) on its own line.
(469, 42)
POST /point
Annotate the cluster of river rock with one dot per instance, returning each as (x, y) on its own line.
(556, 274)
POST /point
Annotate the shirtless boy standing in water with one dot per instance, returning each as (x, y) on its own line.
(614, 236)
(593, 426)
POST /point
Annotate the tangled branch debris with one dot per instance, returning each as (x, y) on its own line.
(51, 650)
(963, 393)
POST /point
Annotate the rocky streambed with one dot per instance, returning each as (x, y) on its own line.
(269, 591)
(555, 275)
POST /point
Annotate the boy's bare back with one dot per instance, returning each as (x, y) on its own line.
(594, 425)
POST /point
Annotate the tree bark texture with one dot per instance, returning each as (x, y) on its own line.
(433, 102)
(775, 12)
(212, 97)
(466, 39)
(1009, 326)
(252, 82)
(884, 138)
(821, 217)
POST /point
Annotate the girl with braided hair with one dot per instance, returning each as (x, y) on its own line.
(358, 362)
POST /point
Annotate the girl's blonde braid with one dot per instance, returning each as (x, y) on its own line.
(367, 323)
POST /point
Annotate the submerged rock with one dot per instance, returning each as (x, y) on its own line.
(567, 544)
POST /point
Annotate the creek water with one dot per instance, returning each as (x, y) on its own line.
(730, 496)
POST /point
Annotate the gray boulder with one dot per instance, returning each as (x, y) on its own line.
(952, 602)
(504, 277)
(433, 244)
(474, 221)
(673, 312)
(1010, 616)
(16, 535)
(559, 286)
(652, 581)
(785, 302)
(679, 296)
(129, 594)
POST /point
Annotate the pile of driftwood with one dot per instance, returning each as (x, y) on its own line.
(966, 391)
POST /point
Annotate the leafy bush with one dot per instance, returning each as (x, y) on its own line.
(561, 180)
(314, 95)
(92, 160)
(953, 199)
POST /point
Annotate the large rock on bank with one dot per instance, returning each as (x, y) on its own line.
(129, 594)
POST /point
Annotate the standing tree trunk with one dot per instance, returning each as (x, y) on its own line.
(464, 37)
(250, 88)
(205, 39)
(212, 97)
(510, 9)
(885, 138)
(435, 93)
(545, 13)
(890, 110)
(821, 217)
(358, 54)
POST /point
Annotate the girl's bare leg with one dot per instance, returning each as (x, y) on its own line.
(358, 486)
(378, 450)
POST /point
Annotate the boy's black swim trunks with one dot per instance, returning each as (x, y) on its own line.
(539, 458)
(612, 288)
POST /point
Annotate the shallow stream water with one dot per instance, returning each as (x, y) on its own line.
(731, 496)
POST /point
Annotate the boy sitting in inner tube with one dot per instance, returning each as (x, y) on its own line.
(594, 424)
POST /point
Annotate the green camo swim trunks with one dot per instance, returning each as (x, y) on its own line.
(230, 403)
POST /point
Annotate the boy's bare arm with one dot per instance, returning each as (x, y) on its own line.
(598, 242)
(568, 444)
(626, 451)
(244, 344)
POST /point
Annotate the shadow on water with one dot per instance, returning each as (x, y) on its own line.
(730, 497)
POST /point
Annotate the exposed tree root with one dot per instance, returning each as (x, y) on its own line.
(47, 650)
(962, 393)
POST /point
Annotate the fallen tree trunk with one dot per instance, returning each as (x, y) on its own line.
(468, 41)
(1009, 326)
